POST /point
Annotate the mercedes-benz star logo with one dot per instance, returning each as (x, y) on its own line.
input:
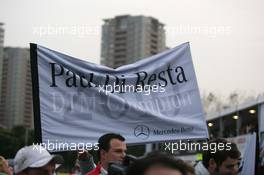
(142, 131)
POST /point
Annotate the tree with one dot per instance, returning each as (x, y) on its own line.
(12, 140)
(213, 102)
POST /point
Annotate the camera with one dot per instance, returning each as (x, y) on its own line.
(120, 168)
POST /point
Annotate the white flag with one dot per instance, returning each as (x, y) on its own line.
(155, 99)
(249, 158)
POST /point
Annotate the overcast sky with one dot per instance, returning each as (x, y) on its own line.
(226, 36)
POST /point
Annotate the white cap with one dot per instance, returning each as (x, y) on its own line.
(34, 156)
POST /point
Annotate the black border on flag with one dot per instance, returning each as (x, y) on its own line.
(35, 91)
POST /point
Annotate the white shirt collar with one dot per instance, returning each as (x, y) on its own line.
(103, 171)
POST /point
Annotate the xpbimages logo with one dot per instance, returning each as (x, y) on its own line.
(65, 146)
(196, 146)
(115, 88)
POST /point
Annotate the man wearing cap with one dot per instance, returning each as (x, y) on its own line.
(35, 160)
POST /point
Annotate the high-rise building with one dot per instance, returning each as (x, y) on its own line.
(1, 39)
(1, 59)
(1, 53)
(16, 93)
(126, 39)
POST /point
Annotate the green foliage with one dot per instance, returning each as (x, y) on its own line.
(12, 140)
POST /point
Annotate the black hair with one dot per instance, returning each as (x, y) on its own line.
(104, 141)
(220, 155)
(139, 167)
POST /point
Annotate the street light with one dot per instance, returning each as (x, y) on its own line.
(252, 111)
(210, 124)
(235, 117)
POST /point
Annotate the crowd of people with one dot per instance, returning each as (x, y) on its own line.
(36, 160)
